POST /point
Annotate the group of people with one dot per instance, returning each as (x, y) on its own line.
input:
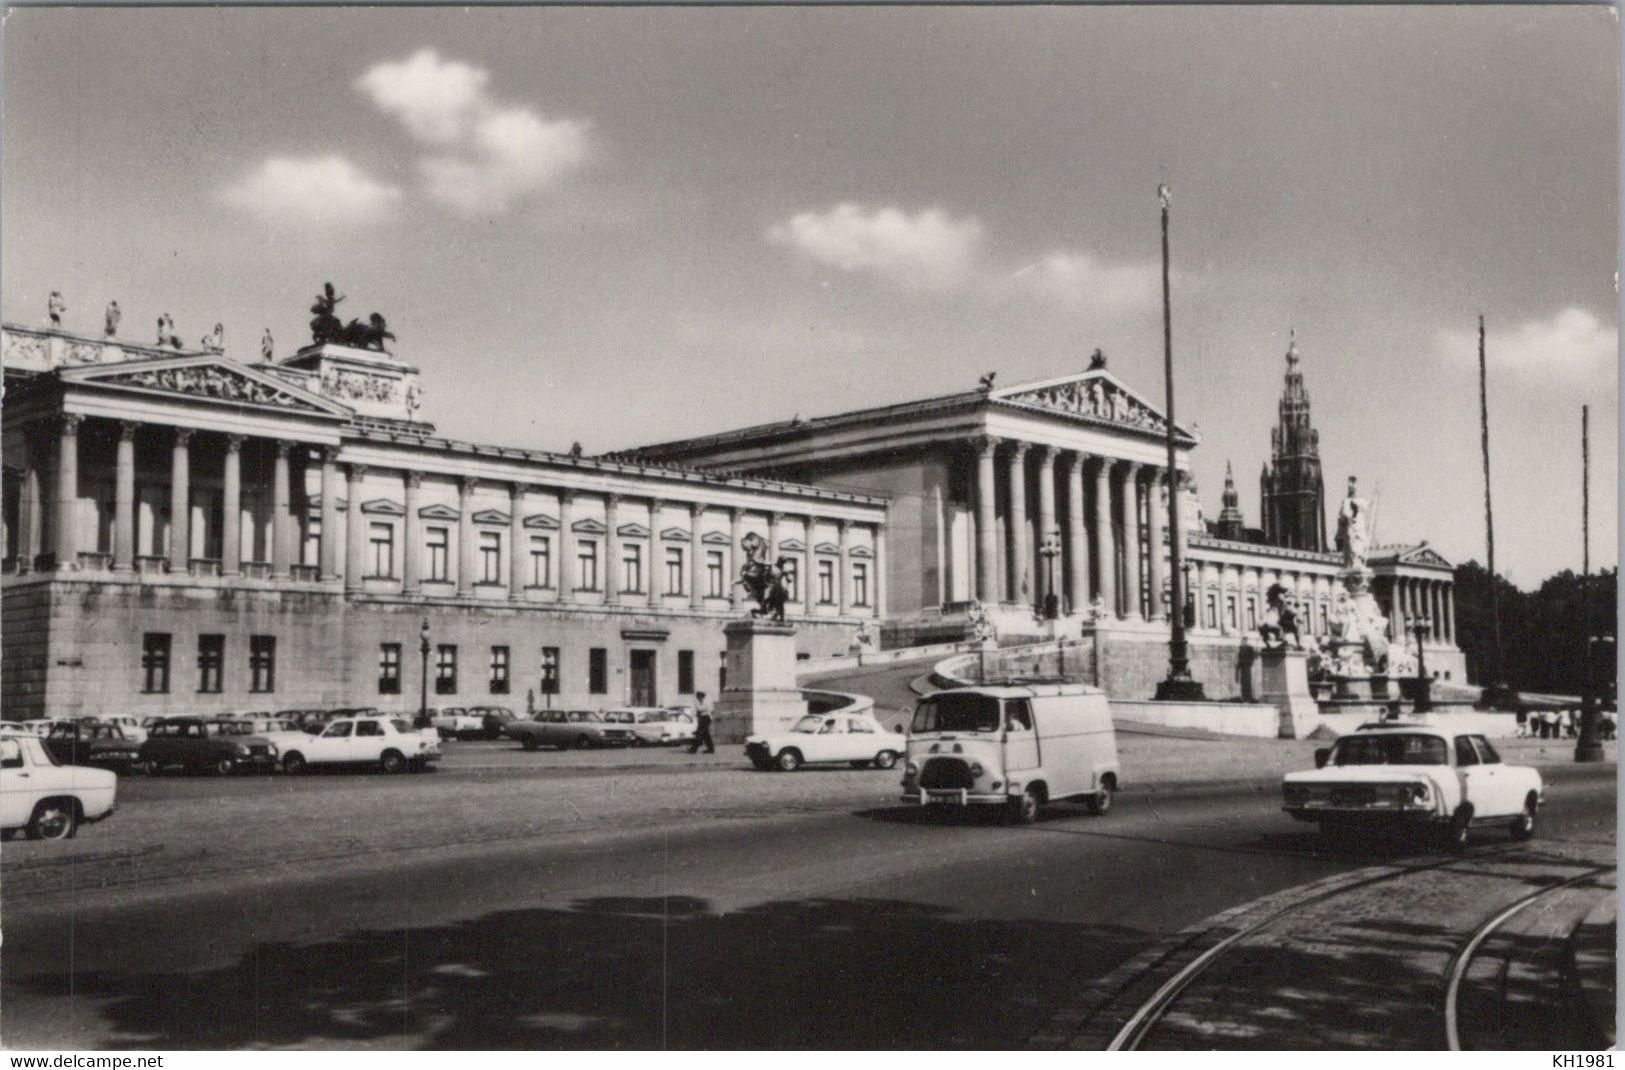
(1561, 724)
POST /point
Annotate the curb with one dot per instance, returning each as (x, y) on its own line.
(1591, 958)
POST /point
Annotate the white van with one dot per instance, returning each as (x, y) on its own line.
(1018, 747)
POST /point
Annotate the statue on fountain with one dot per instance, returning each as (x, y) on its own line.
(1353, 528)
(764, 582)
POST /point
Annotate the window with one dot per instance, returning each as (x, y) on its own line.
(11, 754)
(1230, 610)
(685, 672)
(598, 671)
(313, 541)
(1018, 715)
(339, 730)
(541, 561)
(1323, 625)
(674, 571)
(586, 565)
(792, 580)
(550, 670)
(368, 728)
(826, 582)
(1486, 753)
(860, 583)
(438, 542)
(445, 669)
(211, 652)
(713, 573)
(382, 538)
(262, 663)
(1210, 610)
(1465, 755)
(631, 568)
(1252, 613)
(722, 673)
(499, 670)
(389, 668)
(155, 663)
(490, 557)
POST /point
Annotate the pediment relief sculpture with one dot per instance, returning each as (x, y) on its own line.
(210, 381)
(1097, 398)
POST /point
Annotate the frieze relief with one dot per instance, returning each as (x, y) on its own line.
(208, 382)
(1098, 399)
(358, 386)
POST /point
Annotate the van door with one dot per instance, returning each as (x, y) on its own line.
(1020, 736)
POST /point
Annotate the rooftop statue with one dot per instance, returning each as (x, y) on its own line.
(327, 327)
(764, 582)
(267, 346)
(55, 306)
(986, 381)
(215, 340)
(114, 314)
(1097, 360)
(166, 332)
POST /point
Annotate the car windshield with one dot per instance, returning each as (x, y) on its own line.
(1390, 748)
(230, 728)
(809, 724)
(618, 717)
(655, 717)
(585, 715)
(400, 725)
(949, 712)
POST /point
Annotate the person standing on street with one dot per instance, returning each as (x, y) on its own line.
(702, 726)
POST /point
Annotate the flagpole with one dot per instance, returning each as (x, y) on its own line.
(1588, 748)
(1498, 669)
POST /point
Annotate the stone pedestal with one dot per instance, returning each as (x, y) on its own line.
(762, 695)
(1286, 687)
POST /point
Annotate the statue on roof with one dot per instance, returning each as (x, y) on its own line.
(55, 306)
(985, 383)
(325, 326)
(166, 332)
(1097, 361)
(215, 340)
(110, 324)
(267, 346)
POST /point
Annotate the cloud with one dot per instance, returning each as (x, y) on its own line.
(927, 251)
(486, 156)
(1572, 346)
(324, 191)
(1081, 281)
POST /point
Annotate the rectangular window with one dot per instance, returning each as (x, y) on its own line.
(586, 565)
(598, 671)
(550, 670)
(713, 574)
(792, 580)
(382, 538)
(1252, 613)
(211, 655)
(490, 557)
(632, 568)
(262, 663)
(826, 582)
(722, 672)
(1230, 610)
(499, 670)
(1210, 611)
(445, 669)
(674, 571)
(1323, 625)
(313, 541)
(155, 663)
(541, 561)
(860, 583)
(389, 668)
(438, 542)
(685, 672)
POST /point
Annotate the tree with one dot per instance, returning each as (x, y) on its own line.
(1542, 632)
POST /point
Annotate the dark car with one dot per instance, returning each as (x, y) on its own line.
(90, 743)
(196, 745)
(494, 719)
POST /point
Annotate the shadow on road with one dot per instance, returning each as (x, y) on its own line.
(625, 972)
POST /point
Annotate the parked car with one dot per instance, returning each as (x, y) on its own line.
(194, 745)
(455, 722)
(391, 743)
(281, 731)
(856, 739)
(492, 719)
(40, 726)
(133, 728)
(1016, 747)
(1392, 774)
(569, 728)
(48, 799)
(87, 742)
(649, 725)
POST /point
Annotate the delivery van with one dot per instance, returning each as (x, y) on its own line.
(1019, 747)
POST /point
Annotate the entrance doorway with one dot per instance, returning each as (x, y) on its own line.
(643, 678)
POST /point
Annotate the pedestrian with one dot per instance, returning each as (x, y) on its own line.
(702, 725)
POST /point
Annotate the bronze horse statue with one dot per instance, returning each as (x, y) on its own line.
(762, 581)
(1280, 620)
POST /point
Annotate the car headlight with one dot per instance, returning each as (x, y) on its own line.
(976, 769)
(242, 748)
(1420, 792)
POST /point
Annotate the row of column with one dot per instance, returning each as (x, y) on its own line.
(1412, 597)
(1130, 568)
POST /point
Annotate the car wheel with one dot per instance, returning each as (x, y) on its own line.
(393, 761)
(789, 760)
(530, 742)
(1024, 811)
(1101, 801)
(153, 767)
(54, 819)
(294, 763)
(1524, 827)
(886, 759)
(1459, 830)
(224, 766)
(583, 742)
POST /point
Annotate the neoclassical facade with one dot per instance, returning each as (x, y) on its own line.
(186, 532)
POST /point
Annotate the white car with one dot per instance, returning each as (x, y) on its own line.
(455, 722)
(1422, 773)
(650, 725)
(388, 742)
(130, 725)
(282, 731)
(822, 738)
(46, 798)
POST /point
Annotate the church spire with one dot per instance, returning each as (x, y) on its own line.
(1291, 484)
(1232, 525)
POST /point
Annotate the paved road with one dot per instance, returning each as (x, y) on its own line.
(856, 927)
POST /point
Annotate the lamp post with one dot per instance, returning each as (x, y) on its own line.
(1588, 748)
(1049, 552)
(1179, 686)
(1422, 626)
(1187, 611)
(423, 676)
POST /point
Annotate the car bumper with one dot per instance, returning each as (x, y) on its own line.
(953, 797)
(1364, 815)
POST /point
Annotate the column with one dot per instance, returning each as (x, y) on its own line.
(124, 499)
(843, 570)
(1046, 526)
(657, 557)
(696, 557)
(878, 580)
(736, 593)
(1157, 514)
(613, 580)
(281, 512)
(1016, 522)
(1396, 601)
(231, 507)
(1450, 611)
(1105, 548)
(566, 564)
(809, 574)
(327, 555)
(412, 536)
(31, 536)
(1436, 609)
(987, 548)
(518, 545)
(1131, 541)
(1077, 558)
(466, 559)
(355, 530)
(180, 503)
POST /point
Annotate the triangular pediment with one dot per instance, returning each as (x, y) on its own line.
(793, 545)
(675, 535)
(438, 512)
(632, 531)
(491, 516)
(1421, 554)
(383, 507)
(859, 551)
(715, 538)
(827, 548)
(1097, 397)
(541, 521)
(207, 377)
(588, 527)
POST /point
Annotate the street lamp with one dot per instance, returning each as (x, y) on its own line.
(1422, 626)
(1187, 611)
(423, 676)
(1049, 552)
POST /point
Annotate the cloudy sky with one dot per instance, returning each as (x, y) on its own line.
(622, 226)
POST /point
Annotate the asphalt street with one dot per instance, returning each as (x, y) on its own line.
(865, 925)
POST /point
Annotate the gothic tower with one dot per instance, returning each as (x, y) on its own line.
(1231, 525)
(1290, 487)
